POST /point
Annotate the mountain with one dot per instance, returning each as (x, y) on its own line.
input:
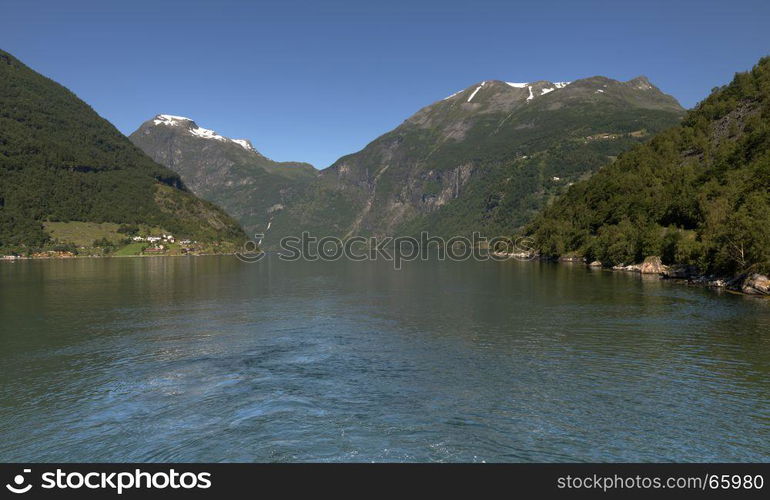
(61, 163)
(483, 159)
(228, 172)
(697, 194)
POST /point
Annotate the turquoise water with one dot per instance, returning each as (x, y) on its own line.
(212, 359)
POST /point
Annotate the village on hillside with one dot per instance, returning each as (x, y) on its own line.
(81, 239)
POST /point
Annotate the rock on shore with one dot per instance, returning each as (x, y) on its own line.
(755, 284)
(750, 284)
(652, 265)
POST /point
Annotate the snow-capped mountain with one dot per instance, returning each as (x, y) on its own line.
(542, 90)
(229, 172)
(483, 158)
(188, 125)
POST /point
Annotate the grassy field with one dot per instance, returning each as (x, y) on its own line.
(130, 249)
(83, 234)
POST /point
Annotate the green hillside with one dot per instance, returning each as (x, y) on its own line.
(60, 161)
(697, 194)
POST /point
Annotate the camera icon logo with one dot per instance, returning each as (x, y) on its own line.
(251, 251)
(18, 483)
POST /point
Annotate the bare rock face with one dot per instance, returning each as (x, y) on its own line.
(595, 263)
(652, 265)
(756, 284)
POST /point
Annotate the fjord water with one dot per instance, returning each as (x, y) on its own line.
(212, 359)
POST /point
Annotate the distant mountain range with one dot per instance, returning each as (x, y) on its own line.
(692, 188)
(228, 172)
(61, 163)
(486, 159)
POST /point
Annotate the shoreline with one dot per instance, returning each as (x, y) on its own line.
(748, 284)
(76, 257)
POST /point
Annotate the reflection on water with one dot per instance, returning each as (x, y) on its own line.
(211, 359)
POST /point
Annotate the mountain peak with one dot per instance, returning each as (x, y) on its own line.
(455, 114)
(194, 129)
(531, 89)
(514, 93)
(641, 82)
(171, 120)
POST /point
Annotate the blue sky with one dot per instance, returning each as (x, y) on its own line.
(312, 81)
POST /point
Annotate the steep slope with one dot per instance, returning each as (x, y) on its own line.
(228, 172)
(60, 161)
(485, 158)
(696, 194)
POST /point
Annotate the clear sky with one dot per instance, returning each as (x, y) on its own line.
(312, 81)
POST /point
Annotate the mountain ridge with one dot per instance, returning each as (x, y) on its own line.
(399, 181)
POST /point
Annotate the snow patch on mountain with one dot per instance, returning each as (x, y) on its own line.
(451, 96)
(245, 144)
(170, 120)
(207, 134)
(528, 86)
(477, 89)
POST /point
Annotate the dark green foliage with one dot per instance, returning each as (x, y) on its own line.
(696, 194)
(509, 193)
(17, 231)
(129, 229)
(106, 245)
(60, 161)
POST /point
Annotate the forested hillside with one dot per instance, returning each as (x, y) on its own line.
(697, 194)
(60, 161)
